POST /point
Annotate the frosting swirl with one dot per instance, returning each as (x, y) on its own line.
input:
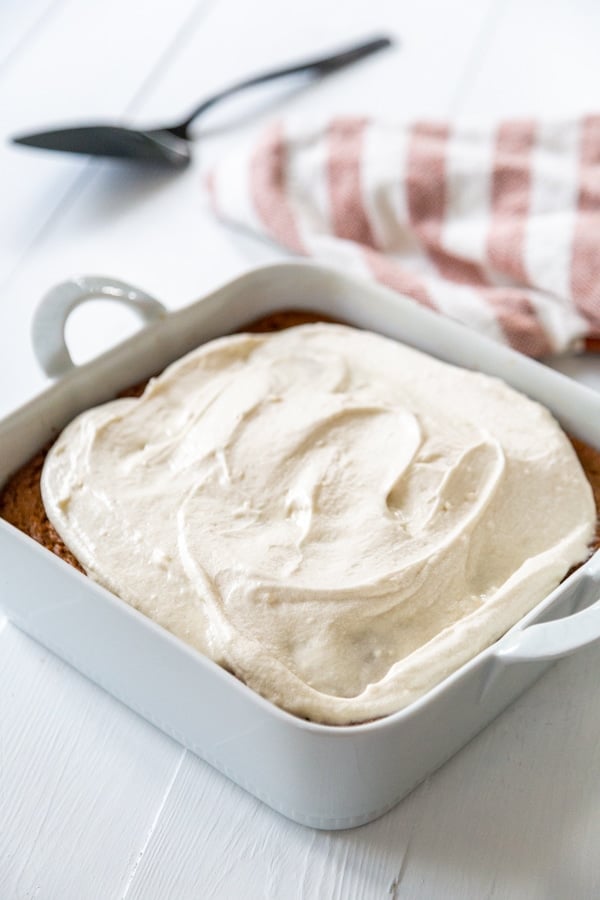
(340, 520)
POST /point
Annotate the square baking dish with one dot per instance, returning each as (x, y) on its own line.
(319, 775)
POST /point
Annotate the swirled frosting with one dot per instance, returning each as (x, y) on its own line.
(338, 519)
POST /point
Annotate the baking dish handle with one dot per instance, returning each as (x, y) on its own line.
(50, 318)
(551, 640)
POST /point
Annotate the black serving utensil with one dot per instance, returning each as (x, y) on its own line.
(171, 145)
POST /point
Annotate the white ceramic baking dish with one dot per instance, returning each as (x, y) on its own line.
(322, 776)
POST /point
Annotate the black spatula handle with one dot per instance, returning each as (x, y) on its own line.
(319, 66)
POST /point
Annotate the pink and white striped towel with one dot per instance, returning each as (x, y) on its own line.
(498, 228)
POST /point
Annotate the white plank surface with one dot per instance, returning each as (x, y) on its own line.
(535, 58)
(69, 757)
(80, 63)
(18, 24)
(93, 801)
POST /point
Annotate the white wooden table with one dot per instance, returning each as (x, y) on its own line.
(94, 802)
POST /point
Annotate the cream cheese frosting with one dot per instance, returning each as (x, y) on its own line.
(338, 519)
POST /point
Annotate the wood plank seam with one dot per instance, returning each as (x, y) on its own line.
(183, 35)
(475, 57)
(153, 824)
(46, 14)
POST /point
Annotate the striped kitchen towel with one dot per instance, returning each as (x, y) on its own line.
(498, 228)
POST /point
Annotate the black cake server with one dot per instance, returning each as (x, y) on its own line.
(171, 145)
